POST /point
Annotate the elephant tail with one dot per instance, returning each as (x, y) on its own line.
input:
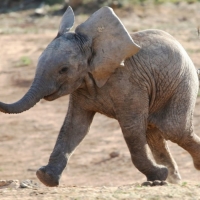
(198, 73)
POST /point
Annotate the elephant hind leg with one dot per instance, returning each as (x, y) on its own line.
(161, 153)
(135, 137)
(175, 120)
(185, 137)
(182, 134)
(191, 143)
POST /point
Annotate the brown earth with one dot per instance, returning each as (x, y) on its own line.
(27, 139)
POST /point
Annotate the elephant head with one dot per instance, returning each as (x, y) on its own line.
(97, 46)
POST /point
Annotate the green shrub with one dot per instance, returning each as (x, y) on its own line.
(24, 61)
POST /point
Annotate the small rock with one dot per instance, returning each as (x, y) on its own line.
(42, 10)
(114, 154)
(9, 184)
(28, 184)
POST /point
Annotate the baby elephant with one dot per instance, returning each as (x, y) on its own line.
(145, 80)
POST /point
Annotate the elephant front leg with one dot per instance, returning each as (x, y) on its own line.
(74, 129)
(134, 131)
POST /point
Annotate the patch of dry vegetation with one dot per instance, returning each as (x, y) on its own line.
(128, 192)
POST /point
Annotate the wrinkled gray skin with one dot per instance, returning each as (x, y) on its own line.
(152, 96)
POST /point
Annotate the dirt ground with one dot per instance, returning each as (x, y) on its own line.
(27, 139)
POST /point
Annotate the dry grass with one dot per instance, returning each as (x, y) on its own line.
(190, 191)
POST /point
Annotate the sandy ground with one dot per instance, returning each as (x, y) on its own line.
(27, 139)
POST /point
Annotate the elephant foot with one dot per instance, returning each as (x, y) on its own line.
(154, 183)
(157, 177)
(47, 176)
(174, 178)
(159, 173)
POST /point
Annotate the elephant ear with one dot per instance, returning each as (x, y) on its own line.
(111, 43)
(67, 21)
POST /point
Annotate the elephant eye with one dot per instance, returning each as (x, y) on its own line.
(63, 70)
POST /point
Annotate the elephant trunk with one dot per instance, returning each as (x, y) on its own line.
(34, 94)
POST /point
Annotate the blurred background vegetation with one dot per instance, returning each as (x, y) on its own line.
(15, 5)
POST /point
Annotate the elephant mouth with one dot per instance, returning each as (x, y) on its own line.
(52, 96)
(64, 89)
(55, 94)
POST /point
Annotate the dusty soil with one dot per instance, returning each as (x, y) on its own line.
(27, 139)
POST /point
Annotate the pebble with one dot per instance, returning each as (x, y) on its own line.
(28, 184)
(9, 184)
(114, 154)
(17, 184)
